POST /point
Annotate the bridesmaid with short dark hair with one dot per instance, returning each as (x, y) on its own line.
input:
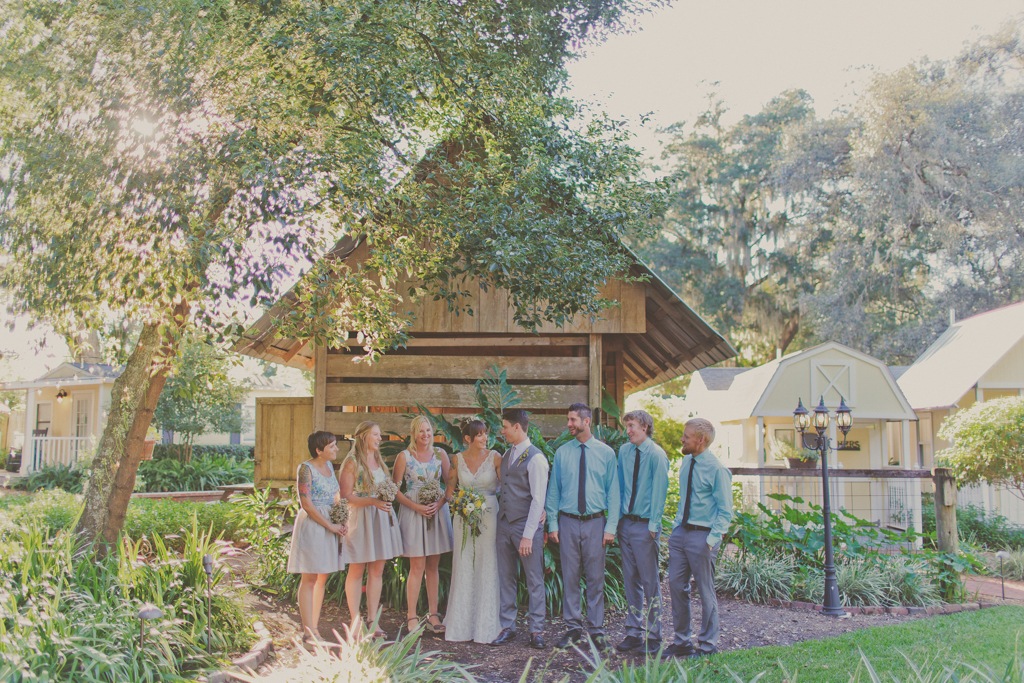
(315, 550)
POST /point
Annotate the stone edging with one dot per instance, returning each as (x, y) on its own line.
(250, 660)
(951, 608)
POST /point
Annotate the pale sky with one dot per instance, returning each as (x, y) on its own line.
(753, 49)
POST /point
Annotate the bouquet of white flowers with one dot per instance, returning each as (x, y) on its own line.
(386, 491)
(339, 512)
(429, 493)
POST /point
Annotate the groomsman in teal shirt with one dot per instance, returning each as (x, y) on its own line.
(643, 482)
(583, 511)
(705, 510)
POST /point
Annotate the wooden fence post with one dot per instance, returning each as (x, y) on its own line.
(945, 511)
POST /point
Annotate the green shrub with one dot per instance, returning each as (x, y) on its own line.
(808, 584)
(49, 511)
(199, 474)
(68, 614)
(908, 581)
(974, 527)
(238, 452)
(261, 518)
(755, 577)
(861, 583)
(170, 520)
(65, 477)
(1012, 566)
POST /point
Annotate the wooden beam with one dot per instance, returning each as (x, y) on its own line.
(460, 367)
(344, 424)
(525, 340)
(407, 395)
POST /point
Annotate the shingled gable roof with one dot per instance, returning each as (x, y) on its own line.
(961, 356)
(677, 340)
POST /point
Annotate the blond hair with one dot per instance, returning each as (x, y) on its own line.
(704, 428)
(416, 422)
(360, 451)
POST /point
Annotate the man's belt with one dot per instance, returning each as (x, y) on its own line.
(636, 518)
(695, 527)
(583, 518)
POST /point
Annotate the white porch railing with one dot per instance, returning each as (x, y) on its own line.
(42, 451)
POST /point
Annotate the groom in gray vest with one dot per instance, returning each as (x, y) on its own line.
(524, 481)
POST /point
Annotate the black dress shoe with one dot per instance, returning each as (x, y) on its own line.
(537, 641)
(680, 650)
(506, 636)
(569, 639)
(629, 643)
(600, 642)
(652, 645)
(705, 653)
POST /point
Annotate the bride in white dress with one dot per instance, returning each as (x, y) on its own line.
(473, 598)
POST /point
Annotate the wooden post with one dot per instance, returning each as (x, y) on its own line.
(320, 388)
(945, 511)
(596, 360)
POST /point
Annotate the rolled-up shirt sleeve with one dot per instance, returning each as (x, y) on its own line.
(722, 493)
(537, 469)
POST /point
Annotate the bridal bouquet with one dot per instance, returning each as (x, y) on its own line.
(386, 491)
(430, 492)
(470, 506)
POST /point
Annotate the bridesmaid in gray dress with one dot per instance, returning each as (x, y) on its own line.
(426, 527)
(316, 541)
(373, 536)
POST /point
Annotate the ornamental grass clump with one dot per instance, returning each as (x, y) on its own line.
(755, 578)
(366, 660)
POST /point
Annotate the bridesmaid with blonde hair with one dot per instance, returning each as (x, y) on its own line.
(373, 536)
(426, 524)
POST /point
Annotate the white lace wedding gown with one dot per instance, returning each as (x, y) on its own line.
(473, 598)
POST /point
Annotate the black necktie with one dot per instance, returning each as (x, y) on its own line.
(581, 498)
(689, 491)
(636, 473)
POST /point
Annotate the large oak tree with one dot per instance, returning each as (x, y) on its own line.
(179, 163)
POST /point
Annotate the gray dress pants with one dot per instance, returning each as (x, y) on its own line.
(581, 547)
(509, 561)
(640, 576)
(688, 556)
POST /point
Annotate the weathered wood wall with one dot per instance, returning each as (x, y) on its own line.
(439, 371)
(283, 426)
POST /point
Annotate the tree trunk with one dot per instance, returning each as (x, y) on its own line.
(133, 401)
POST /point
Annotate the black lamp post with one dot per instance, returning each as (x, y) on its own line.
(803, 420)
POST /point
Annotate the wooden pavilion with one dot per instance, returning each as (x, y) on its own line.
(652, 336)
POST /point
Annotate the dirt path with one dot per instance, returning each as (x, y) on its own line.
(743, 626)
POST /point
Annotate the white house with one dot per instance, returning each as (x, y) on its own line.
(753, 410)
(976, 359)
(64, 413)
(66, 410)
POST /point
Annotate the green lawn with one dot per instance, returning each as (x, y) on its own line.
(987, 638)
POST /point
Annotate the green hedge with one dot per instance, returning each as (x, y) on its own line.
(239, 452)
